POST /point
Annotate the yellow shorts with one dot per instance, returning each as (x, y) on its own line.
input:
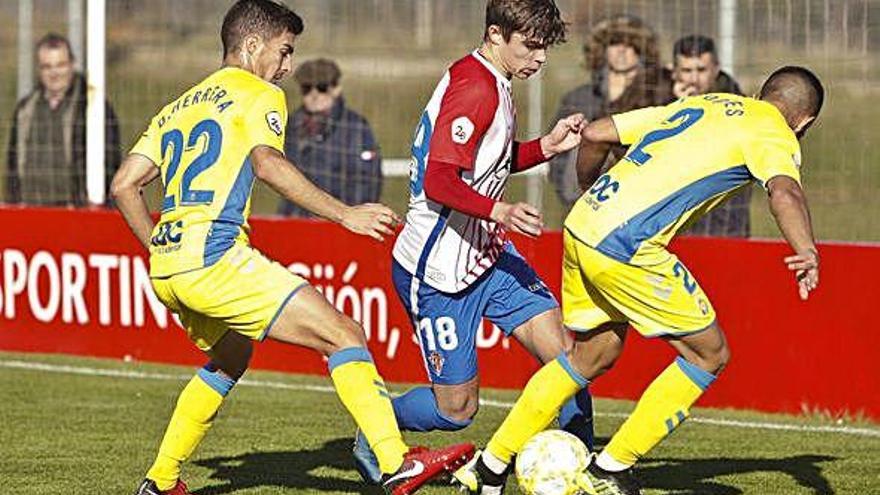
(244, 291)
(662, 299)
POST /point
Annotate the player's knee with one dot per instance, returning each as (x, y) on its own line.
(719, 360)
(592, 360)
(713, 361)
(348, 334)
(461, 409)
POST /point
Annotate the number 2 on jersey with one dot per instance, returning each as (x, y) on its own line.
(420, 146)
(687, 118)
(190, 197)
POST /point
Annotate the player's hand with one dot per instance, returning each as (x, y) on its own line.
(566, 135)
(520, 217)
(806, 271)
(370, 219)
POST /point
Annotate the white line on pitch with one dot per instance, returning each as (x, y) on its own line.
(80, 370)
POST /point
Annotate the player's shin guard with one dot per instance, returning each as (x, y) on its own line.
(576, 417)
(663, 406)
(195, 411)
(539, 404)
(417, 410)
(362, 391)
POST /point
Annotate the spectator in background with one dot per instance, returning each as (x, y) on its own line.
(331, 144)
(624, 63)
(696, 71)
(46, 157)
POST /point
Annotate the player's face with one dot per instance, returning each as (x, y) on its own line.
(273, 60)
(522, 57)
(696, 74)
(56, 69)
(621, 57)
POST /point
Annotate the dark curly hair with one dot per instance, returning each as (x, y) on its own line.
(625, 29)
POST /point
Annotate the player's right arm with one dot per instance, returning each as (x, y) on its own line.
(622, 128)
(127, 187)
(596, 140)
(271, 167)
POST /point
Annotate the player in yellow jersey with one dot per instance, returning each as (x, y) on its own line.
(684, 159)
(208, 146)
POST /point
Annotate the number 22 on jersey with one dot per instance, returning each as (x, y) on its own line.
(208, 129)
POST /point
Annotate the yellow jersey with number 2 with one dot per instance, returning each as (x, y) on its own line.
(685, 158)
(201, 143)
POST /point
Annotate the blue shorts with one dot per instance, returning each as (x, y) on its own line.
(508, 294)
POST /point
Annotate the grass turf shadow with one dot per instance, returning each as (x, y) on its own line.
(287, 469)
(699, 476)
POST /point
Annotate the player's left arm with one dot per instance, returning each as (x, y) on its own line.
(789, 206)
(127, 190)
(264, 122)
(773, 156)
(564, 136)
(271, 167)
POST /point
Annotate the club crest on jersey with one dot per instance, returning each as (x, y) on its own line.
(462, 130)
(704, 307)
(436, 361)
(273, 118)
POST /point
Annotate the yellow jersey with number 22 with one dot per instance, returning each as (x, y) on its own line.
(201, 143)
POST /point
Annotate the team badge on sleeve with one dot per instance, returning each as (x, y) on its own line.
(274, 120)
(462, 129)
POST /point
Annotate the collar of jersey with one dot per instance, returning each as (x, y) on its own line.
(249, 74)
(498, 75)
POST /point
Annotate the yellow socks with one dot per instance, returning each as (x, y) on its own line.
(362, 391)
(548, 389)
(662, 407)
(195, 411)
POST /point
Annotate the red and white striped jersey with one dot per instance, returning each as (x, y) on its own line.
(470, 121)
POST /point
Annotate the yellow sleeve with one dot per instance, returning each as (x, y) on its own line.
(773, 150)
(632, 125)
(266, 120)
(148, 144)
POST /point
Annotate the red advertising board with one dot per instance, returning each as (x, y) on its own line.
(77, 282)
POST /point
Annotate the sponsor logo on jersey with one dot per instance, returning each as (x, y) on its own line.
(273, 118)
(167, 238)
(462, 130)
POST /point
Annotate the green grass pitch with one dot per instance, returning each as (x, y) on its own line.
(80, 425)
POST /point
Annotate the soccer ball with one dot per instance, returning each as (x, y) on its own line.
(550, 462)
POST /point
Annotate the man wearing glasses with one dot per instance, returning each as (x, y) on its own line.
(332, 145)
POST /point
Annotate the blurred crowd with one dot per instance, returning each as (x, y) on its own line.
(336, 147)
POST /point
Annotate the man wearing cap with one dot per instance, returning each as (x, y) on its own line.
(331, 144)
